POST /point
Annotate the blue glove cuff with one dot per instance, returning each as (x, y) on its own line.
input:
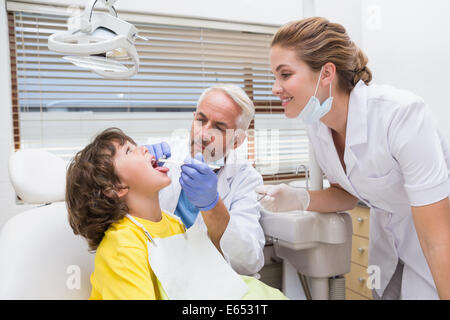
(212, 205)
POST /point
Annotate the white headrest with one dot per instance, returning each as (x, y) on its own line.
(41, 258)
(38, 176)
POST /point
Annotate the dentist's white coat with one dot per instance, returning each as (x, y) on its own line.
(395, 158)
(243, 241)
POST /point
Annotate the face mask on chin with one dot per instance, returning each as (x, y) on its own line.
(217, 159)
(314, 111)
(209, 154)
(219, 162)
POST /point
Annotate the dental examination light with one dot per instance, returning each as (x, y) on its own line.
(100, 42)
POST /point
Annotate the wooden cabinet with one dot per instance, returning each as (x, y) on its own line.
(360, 248)
(360, 219)
(355, 280)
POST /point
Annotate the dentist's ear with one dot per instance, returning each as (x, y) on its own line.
(239, 138)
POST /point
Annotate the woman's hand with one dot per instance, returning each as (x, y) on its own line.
(279, 198)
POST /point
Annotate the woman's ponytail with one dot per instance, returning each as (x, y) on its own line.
(318, 41)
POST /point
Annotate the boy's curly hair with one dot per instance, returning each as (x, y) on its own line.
(91, 182)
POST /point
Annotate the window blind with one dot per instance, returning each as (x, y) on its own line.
(60, 107)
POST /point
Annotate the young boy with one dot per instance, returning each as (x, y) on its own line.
(110, 178)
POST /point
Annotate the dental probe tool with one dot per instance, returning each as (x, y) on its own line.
(262, 196)
(213, 167)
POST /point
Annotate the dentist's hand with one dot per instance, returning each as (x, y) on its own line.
(199, 183)
(280, 198)
(159, 150)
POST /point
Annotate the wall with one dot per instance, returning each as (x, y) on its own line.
(248, 11)
(407, 42)
(251, 11)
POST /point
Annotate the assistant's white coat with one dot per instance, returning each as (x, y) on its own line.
(395, 157)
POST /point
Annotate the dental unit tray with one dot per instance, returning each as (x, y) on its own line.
(315, 250)
(303, 229)
(99, 41)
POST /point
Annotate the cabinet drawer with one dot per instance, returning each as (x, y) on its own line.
(360, 220)
(356, 280)
(360, 249)
(352, 295)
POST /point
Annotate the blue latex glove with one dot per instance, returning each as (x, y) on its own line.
(159, 150)
(199, 183)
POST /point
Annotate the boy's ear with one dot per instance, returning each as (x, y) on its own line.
(119, 192)
(122, 192)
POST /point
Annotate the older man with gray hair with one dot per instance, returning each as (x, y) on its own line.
(224, 197)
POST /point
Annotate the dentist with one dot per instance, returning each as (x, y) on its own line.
(223, 202)
(375, 143)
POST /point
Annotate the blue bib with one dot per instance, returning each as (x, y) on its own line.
(186, 210)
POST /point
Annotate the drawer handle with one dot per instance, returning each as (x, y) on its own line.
(361, 250)
(361, 279)
(360, 219)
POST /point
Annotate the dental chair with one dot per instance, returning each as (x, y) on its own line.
(315, 251)
(40, 257)
(314, 248)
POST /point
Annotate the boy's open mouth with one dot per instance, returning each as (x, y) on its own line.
(155, 165)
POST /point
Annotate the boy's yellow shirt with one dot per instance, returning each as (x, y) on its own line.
(122, 270)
